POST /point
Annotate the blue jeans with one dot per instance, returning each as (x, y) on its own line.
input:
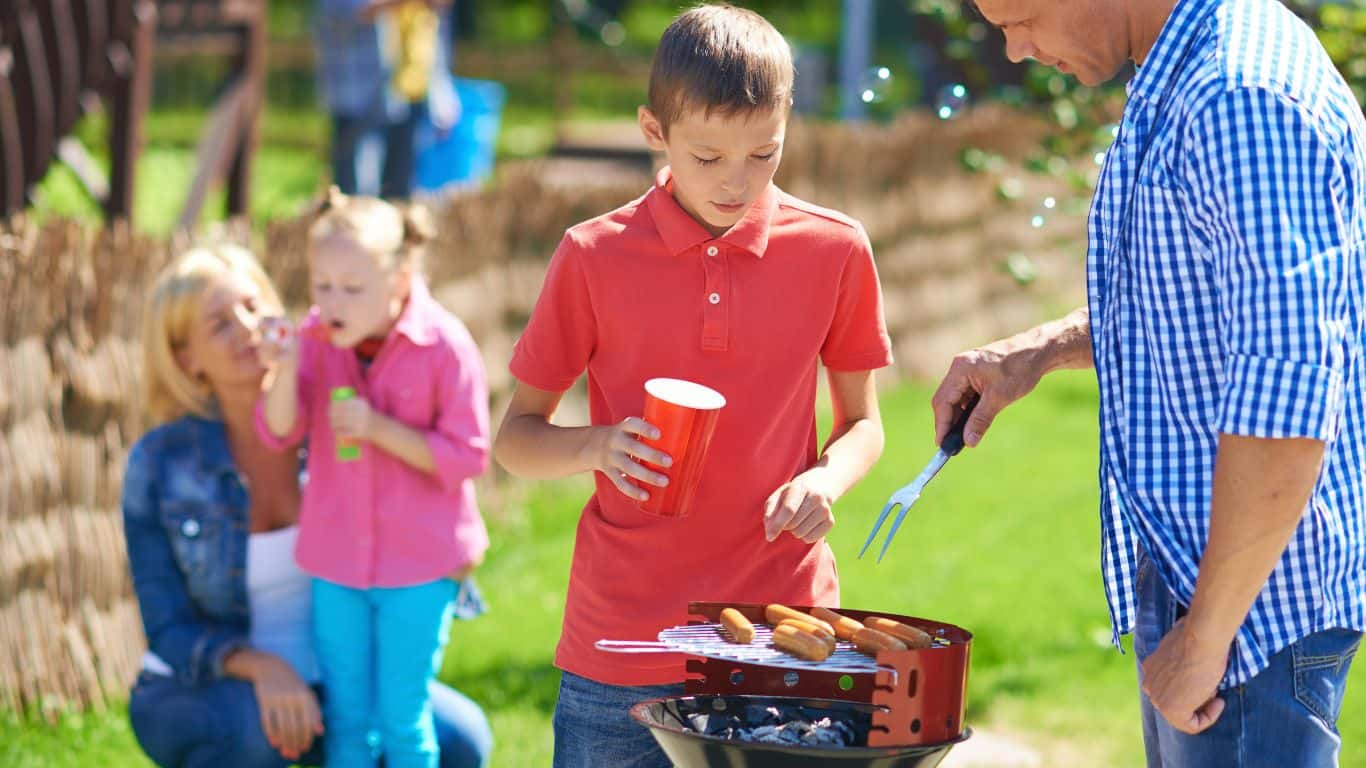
(1286, 716)
(593, 725)
(379, 650)
(398, 142)
(219, 724)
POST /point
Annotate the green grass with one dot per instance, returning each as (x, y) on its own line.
(290, 169)
(1005, 543)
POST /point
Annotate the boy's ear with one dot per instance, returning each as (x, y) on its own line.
(652, 129)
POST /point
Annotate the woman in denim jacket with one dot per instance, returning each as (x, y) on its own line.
(210, 515)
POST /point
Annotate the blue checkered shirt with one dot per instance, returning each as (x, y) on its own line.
(1226, 291)
(352, 75)
(354, 71)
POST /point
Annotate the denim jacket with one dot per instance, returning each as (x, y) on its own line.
(185, 523)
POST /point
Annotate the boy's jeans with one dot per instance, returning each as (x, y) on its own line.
(1284, 717)
(593, 725)
(379, 649)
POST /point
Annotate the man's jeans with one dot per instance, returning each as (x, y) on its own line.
(376, 155)
(593, 725)
(1284, 717)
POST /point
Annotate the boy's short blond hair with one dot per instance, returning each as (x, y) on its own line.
(170, 315)
(396, 235)
(719, 58)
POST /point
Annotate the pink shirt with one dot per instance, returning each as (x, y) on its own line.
(377, 521)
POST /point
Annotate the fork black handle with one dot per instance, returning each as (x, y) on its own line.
(953, 441)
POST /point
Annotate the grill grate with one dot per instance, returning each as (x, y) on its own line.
(709, 641)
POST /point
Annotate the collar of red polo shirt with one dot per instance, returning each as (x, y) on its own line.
(681, 232)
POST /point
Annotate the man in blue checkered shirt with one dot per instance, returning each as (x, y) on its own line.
(1226, 294)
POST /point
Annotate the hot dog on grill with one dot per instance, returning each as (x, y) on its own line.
(803, 645)
(775, 614)
(740, 628)
(811, 629)
(913, 637)
(870, 641)
(845, 627)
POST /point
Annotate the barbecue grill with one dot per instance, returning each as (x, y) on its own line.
(913, 698)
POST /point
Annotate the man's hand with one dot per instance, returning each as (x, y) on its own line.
(1181, 679)
(802, 506)
(1007, 370)
(999, 374)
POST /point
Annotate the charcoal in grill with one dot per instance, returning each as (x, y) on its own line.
(778, 724)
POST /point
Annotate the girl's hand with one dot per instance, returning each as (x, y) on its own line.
(353, 419)
(618, 454)
(289, 710)
(802, 506)
(279, 342)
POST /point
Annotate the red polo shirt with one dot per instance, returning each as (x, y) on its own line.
(646, 291)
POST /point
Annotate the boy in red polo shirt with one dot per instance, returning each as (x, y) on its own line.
(715, 276)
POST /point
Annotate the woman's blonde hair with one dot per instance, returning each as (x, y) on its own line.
(397, 236)
(169, 316)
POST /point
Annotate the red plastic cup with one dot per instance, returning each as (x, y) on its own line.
(685, 413)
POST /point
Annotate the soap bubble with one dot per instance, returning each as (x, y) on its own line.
(1043, 212)
(951, 101)
(874, 85)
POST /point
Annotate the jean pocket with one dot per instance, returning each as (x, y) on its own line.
(1321, 662)
(1150, 621)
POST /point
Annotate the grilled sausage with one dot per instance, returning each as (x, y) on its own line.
(775, 614)
(913, 637)
(805, 646)
(740, 628)
(870, 641)
(811, 629)
(845, 627)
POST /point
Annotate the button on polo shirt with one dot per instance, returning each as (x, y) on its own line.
(646, 291)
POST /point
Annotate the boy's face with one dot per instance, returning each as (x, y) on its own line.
(720, 163)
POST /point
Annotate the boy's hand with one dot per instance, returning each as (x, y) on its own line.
(617, 453)
(279, 342)
(353, 419)
(802, 506)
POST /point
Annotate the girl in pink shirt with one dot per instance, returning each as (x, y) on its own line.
(390, 390)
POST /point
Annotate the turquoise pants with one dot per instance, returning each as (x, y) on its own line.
(379, 649)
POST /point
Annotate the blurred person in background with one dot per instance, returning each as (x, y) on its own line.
(210, 516)
(383, 69)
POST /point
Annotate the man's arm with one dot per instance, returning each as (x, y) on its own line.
(1274, 219)
(1007, 370)
(1261, 488)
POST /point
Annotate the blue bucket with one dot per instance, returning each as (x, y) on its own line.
(464, 156)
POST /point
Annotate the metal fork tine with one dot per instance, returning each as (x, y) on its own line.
(876, 526)
(892, 533)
